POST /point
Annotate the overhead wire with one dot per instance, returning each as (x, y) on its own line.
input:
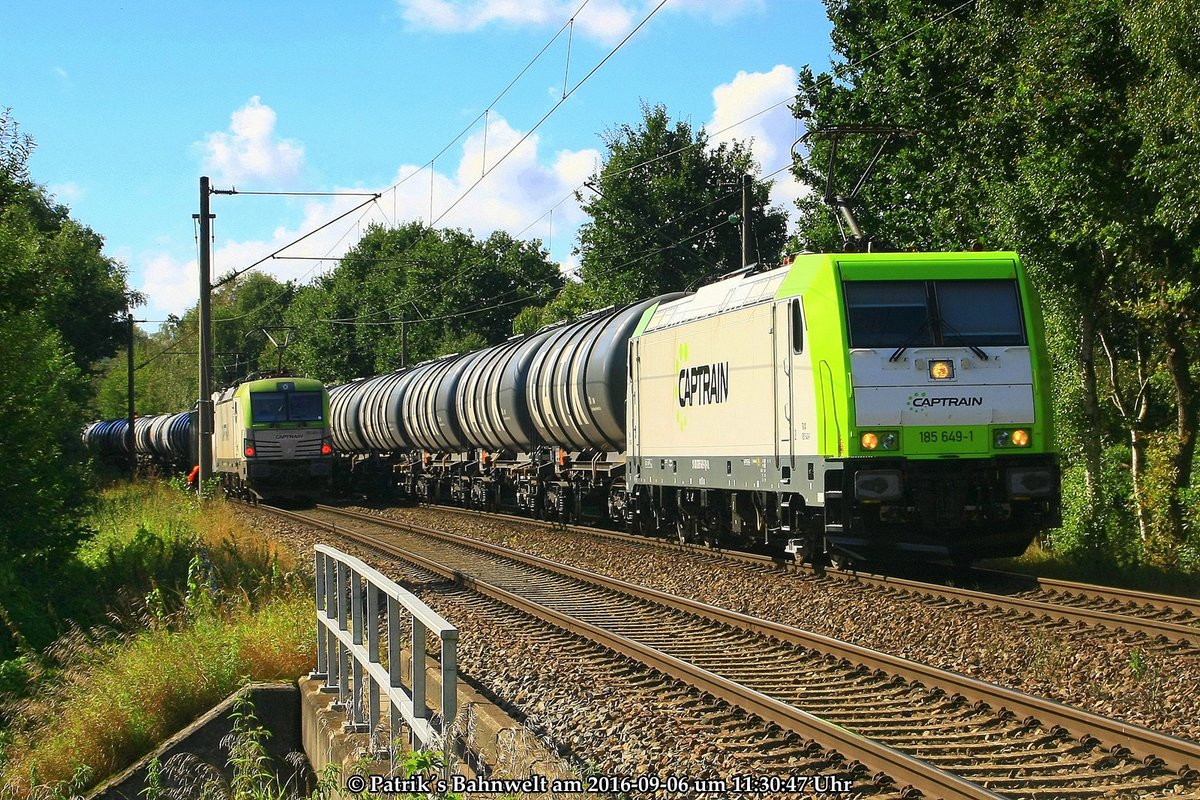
(289, 288)
(835, 71)
(548, 114)
(490, 106)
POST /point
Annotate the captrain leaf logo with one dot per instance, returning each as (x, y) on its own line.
(914, 401)
(681, 360)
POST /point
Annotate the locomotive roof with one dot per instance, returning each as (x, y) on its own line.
(720, 297)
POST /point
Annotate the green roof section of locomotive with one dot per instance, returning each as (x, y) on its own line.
(647, 315)
(243, 391)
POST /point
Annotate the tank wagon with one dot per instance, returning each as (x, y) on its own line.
(162, 441)
(536, 422)
(108, 440)
(850, 404)
(271, 438)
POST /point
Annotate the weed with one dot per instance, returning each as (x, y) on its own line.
(1136, 663)
(1049, 656)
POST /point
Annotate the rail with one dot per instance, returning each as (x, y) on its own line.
(350, 631)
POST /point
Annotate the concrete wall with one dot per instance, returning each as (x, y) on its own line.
(277, 707)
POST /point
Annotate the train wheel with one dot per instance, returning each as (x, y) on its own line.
(810, 550)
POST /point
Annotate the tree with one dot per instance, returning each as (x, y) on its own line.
(662, 211)
(63, 274)
(42, 485)
(58, 299)
(445, 290)
(1064, 132)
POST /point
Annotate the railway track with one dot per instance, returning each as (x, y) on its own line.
(944, 734)
(1168, 620)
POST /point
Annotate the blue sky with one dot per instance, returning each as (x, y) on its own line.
(130, 103)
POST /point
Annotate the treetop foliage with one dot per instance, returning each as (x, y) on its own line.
(664, 209)
(446, 289)
(59, 303)
(1068, 133)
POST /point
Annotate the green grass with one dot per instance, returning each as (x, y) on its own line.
(203, 606)
(1046, 564)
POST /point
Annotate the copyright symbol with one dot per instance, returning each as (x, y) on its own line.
(356, 784)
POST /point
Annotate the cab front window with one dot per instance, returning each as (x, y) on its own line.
(274, 407)
(950, 313)
(888, 314)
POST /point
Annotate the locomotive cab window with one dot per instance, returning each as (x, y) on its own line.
(306, 407)
(272, 407)
(888, 314)
(979, 313)
(951, 313)
(268, 406)
(797, 327)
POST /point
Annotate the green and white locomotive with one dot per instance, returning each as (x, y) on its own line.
(271, 438)
(845, 404)
(855, 403)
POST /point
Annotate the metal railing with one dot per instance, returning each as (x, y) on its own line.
(350, 631)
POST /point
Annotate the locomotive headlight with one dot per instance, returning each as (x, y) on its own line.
(941, 370)
(1018, 437)
(879, 440)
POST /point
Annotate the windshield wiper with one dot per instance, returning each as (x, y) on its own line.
(908, 340)
(946, 326)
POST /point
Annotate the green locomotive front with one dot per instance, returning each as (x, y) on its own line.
(856, 403)
(948, 407)
(271, 438)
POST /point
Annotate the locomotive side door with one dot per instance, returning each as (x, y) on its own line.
(784, 434)
(633, 444)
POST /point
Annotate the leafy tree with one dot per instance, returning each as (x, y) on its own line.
(63, 274)
(1063, 132)
(41, 484)
(58, 299)
(661, 208)
(573, 300)
(446, 290)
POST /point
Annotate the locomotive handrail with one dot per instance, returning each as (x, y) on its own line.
(348, 594)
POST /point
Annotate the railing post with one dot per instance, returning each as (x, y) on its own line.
(322, 670)
(343, 625)
(420, 709)
(372, 655)
(449, 693)
(333, 653)
(358, 698)
(395, 661)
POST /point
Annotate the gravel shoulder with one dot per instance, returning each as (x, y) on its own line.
(1123, 676)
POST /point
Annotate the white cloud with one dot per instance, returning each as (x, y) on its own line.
(770, 134)
(250, 150)
(171, 286)
(69, 192)
(527, 184)
(606, 20)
